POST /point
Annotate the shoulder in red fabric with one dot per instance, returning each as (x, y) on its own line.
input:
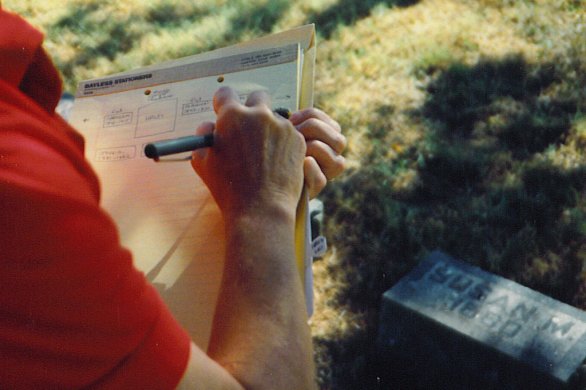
(74, 312)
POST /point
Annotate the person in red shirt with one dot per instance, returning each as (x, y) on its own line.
(75, 313)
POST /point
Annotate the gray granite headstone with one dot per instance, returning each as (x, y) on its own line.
(451, 325)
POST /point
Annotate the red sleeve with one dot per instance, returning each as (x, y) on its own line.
(74, 312)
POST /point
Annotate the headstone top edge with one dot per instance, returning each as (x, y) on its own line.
(436, 256)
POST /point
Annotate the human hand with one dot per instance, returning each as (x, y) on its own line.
(257, 160)
(325, 144)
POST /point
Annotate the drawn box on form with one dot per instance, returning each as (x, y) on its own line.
(448, 321)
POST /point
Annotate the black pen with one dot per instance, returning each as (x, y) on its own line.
(156, 150)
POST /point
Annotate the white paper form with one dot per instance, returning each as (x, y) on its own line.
(302, 35)
(164, 212)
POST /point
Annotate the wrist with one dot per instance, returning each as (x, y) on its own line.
(261, 214)
(260, 251)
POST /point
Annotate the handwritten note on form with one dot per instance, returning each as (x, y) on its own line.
(165, 214)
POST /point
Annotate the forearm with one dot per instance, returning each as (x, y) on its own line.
(260, 332)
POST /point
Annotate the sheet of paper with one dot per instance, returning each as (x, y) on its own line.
(302, 35)
(165, 214)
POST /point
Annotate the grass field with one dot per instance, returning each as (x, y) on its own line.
(466, 123)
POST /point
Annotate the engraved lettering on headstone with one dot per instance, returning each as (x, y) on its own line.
(518, 321)
(523, 312)
(556, 327)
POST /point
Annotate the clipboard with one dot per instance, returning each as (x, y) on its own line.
(165, 214)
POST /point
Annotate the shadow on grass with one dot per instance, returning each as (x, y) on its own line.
(481, 194)
(347, 12)
(172, 15)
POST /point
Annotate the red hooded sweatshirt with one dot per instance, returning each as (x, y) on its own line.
(74, 312)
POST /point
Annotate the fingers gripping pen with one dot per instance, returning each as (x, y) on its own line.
(156, 150)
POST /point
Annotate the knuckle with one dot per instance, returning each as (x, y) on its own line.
(312, 112)
(339, 143)
(339, 165)
(314, 147)
(318, 184)
(258, 116)
(337, 126)
(231, 111)
(332, 170)
(321, 181)
(263, 112)
(314, 122)
(309, 125)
